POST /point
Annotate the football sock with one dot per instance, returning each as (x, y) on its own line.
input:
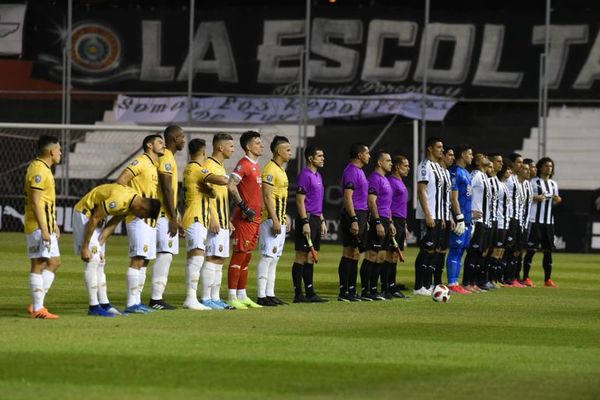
(547, 265)
(439, 268)
(241, 294)
(454, 265)
(102, 287)
(374, 276)
(365, 275)
(235, 269)
(527, 263)
(518, 265)
(429, 263)
(469, 268)
(297, 278)
(141, 283)
(160, 274)
(215, 289)
(392, 270)
(352, 276)
(36, 285)
(420, 267)
(271, 275)
(243, 281)
(344, 274)
(48, 277)
(384, 276)
(262, 270)
(192, 275)
(133, 286)
(90, 277)
(207, 273)
(307, 276)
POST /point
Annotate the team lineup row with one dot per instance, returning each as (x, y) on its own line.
(373, 219)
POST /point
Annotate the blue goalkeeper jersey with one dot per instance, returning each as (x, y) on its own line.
(461, 182)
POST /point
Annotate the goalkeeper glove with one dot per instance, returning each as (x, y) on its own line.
(248, 212)
(460, 225)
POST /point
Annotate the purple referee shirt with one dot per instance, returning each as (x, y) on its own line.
(399, 197)
(310, 184)
(354, 178)
(380, 187)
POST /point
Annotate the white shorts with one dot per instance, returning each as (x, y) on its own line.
(142, 239)
(166, 243)
(80, 221)
(270, 245)
(218, 244)
(195, 236)
(35, 248)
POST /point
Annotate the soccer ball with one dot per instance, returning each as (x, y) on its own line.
(441, 294)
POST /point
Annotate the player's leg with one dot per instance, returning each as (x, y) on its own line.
(309, 265)
(346, 261)
(300, 259)
(247, 246)
(44, 260)
(547, 247)
(166, 247)
(278, 243)
(217, 251)
(138, 249)
(267, 243)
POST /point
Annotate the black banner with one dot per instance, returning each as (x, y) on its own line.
(354, 51)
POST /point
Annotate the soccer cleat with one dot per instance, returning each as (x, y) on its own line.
(550, 283)
(401, 286)
(300, 299)
(160, 305)
(194, 304)
(388, 296)
(43, 313)
(348, 298)
(528, 282)
(265, 302)
(238, 305)
(315, 298)
(223, 304)
(277, 300)
(399, 295)
(356, 297)
(515, 283)
(112, 309)
(249, 303)
(97, 311)
(212, 305)
(377, 296)
(136, 309)
(146, 308)
(365, 296)
(421, 292)
(489, 286)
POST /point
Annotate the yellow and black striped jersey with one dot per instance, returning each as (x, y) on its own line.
(168, 166)
(115, 199)
(39, 177)
(197, 205)
(221, 200)
(275, 176)
(144, 181)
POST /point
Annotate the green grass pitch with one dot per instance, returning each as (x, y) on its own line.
(514, 343)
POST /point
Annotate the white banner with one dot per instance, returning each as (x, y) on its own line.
(12, 17)
(274, 109)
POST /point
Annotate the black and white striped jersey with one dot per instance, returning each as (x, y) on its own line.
(527, 196)
(541, 212)
(429, 172)
(494, 189)
(481, 197)
(515, 191)
(505, 205)
(447, 193)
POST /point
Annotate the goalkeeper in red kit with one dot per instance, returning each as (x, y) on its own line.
(245, 188)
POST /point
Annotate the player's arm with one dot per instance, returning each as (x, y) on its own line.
(109, 228)
(269, 201)
(165, 181)
(125, 177)
(213, 223)
(37, 205)
(556, 199)
(234, 181)
(459, 218)
(422, 197)
(349, 206)
(302, 214)
(98, 215)
(372, 202)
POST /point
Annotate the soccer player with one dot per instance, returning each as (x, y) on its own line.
(400, 169)
(141, 175)
(217, 240)
(461, 207)
(41, 228)
(505, 206)
(274, 226)
(448, 223)
(310, 223)
(525, 179)
(167, 227)
(381, 229)
(197, 185)
(94, 218)
(429, 214)
(481, 212)
(353, 224)
(245, 186)
(545, 196)
(492, 264)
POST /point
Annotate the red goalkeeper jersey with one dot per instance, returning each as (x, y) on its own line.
(250, 186)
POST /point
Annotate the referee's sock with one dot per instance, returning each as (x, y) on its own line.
(308, 276)
(527, 263)
(392, 271)
(547, 265)
(365, 276)
(297, 278)
(343, 273)
(374, 276)
(353, 277)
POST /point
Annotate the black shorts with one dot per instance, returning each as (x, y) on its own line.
(479, 240)
(429, 238)
(400, 224)
(499, 238)
(348, 239)
(373, 241)
(445, 237)
(300, 242)
(524, 238)
(491, 237)
(541, 236)
(512, 234)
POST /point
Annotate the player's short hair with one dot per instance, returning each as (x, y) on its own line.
(478, 160)
(170, 132)
(45, 141)
(220, 137)
(247, 137)
(505, 167)
(494, 155)
(277, 140)
(311, 151)
(432, 141)
(195, 145)
(356, 148)
(513, 157)
(528, 161)
(378, 156)
(461, 148)
(154, 208)
(543, 161)
(447, 148)
(149, 140)
(398, 159)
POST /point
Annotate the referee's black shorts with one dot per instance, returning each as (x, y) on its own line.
(400, 224)
(350, 240)
(429, 238)
(300, 242)
(374, 242)
(541, 236)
